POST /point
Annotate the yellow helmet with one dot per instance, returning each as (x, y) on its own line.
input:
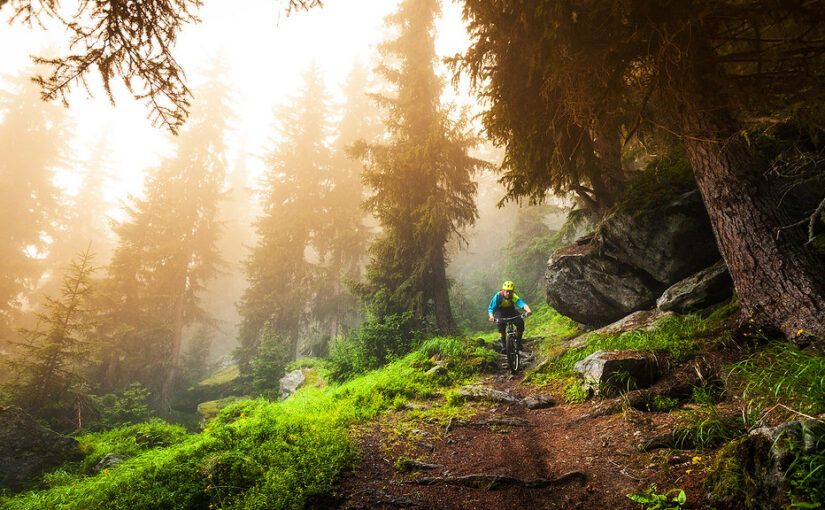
(508, 285)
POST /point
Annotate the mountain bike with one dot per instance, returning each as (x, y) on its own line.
(511, 342)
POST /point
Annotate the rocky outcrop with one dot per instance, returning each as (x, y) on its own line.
(630, 261)
(27, 449)
(705, 288)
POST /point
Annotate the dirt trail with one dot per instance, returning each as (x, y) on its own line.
(546, 458)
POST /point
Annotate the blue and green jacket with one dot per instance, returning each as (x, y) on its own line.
(498, 301)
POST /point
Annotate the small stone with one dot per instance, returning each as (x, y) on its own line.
(538, 402)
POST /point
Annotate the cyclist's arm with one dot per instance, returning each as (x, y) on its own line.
(492, 308)
(521, 304)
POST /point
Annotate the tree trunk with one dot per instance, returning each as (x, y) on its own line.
(441, 298)
(168, 386)
(778, 281)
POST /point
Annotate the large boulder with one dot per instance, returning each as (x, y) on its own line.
(594, 289)
(705, 288)
(292, 382)
(629, 261)
(668, 243)
(27, 449)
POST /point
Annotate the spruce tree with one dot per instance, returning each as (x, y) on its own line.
(167, 252)
(55, 357)
(32, 144)
(421, 190)
(281, 279)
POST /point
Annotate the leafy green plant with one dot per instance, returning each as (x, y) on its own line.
(707, 393)
(374, 344)
(576, 392)
(650, 500)
(126, 408)
(663, 404)
(806, 475)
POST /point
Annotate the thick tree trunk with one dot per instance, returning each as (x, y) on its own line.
(608, 181)
(441, 298)
(779, 282)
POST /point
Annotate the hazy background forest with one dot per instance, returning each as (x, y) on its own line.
(137, 262)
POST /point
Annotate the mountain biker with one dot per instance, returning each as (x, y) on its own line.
(503, 306)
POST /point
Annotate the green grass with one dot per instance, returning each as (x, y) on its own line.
(255, 454)
(783, 374)
(225, 375)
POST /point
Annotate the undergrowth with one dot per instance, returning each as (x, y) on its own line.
(255, 454)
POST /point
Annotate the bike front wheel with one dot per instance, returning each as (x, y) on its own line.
(513, 358)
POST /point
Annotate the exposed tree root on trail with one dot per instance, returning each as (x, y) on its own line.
(495, 482)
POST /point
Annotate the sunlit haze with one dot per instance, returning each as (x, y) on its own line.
(265, 52)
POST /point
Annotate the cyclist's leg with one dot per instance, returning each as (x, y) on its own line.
(520, 328)
(502, 326)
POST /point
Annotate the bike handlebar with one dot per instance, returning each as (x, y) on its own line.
(510, 319)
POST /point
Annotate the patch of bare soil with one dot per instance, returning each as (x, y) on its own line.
(508, 456)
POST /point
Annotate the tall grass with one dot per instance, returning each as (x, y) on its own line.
(782, 374)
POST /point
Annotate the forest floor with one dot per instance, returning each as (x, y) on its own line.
(502, 455)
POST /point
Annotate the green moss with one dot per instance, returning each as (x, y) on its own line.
(663, 180)
(210, 409)
(727, 478)
(223, 376)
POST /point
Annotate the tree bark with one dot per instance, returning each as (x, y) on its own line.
(778, 281)
(441, 297)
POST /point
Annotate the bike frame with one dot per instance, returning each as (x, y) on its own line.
(510, 342)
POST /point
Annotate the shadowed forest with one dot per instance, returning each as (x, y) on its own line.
(304, 323)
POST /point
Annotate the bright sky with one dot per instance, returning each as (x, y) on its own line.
(267, 53)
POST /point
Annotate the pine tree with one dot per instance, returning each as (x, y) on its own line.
(420, 182)
(281, 279)
(54, 358)
(345, 235)
(167, 252)
(32, 144)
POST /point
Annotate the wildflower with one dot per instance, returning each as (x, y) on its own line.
(243, 415)
(696, 460)
(689, 471)
(105, 471)
(210, 475)
(800, 332)
(750, 320)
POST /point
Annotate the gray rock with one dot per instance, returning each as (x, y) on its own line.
(629, 261)
(643, 320)
(27, 449)
(617, 371)
(668, 243)
(291, 382)
(538, 402)
(484, 393)
(700, 290)
(594, 289)
(108, 461)
(440, 368)
(765, 456)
